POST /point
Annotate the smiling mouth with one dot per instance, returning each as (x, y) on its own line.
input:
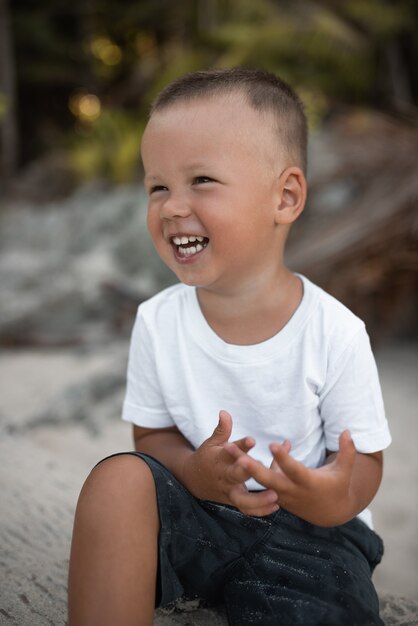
(187, 245)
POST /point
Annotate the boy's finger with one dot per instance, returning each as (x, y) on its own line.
(233, 450)
(274, 466)
(223, 430)
(237, 448)
(286, 445)
(245, 444)
(254, 502)
(236, 474)
(262, 511)
(347, 451)
(263, 475)
(289, 466)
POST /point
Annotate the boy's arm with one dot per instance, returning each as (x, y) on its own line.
(209, 472)
(327, 496)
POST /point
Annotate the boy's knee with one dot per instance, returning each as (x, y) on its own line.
(120, 477)
(118, 500)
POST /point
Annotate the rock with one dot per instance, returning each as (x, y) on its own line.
(48, 178)
(38, 493)
(56, 262)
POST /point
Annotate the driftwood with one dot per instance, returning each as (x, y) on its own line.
(365, 251)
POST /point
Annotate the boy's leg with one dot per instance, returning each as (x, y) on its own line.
(113, 563)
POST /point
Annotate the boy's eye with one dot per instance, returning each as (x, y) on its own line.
(198, 180)
(156, 188)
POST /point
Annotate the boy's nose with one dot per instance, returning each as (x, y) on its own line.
(175, 206)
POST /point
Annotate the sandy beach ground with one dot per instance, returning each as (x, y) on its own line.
(395, 508)
(32, 379)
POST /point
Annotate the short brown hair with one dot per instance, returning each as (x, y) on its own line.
(264, 91)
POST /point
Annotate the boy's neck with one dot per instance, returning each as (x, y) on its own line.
(255, 315)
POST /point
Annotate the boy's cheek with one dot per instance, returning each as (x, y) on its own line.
(154, 229)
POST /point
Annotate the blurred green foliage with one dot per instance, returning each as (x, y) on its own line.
(118, 55)
(107, 147)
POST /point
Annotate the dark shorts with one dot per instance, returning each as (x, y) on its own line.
(269, 570)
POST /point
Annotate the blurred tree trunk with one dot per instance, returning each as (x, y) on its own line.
(8, 122)
(397, 78)
(206, 15)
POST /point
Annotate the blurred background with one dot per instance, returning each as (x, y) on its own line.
(76, 82)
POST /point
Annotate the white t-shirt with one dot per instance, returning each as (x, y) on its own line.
(308, 383)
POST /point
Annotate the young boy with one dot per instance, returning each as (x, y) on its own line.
(257, 414)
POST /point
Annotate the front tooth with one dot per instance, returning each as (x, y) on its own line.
(192, 250)
(184, 240)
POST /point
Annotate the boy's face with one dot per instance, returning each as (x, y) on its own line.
(211, 173)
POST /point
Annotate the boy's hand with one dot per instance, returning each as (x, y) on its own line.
(211, 473)
(321, 496)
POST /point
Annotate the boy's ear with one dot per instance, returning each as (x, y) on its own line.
(292, 195)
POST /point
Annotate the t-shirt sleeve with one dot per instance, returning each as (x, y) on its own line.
(144, 403)
(352, 399)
